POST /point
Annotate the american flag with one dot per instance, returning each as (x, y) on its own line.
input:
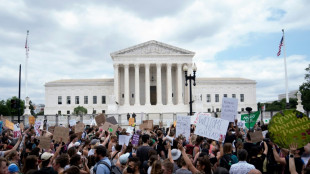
(280, 45)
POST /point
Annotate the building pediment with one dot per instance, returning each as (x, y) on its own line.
(152, 48)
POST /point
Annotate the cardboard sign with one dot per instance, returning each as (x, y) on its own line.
(111, 120)
(131, 121)
(289, 126)
(183, 126)
(135, 140)
(9, 125)
(210, 127)
(229, 109)
(123, 139)
(111, 128)
(32, 120)
(147, 124)
(61, 133)
(100, 119)
(256, 136)
(79, 128)
(72, 122)
(45, 142)
(51, 129)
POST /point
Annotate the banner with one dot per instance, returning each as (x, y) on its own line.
(183, 126)
(229, 109)
(289, 126)
(210, 127)
(9, 125)
(253, 118)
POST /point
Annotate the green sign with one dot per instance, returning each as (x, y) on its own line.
(253, 118)
(110, 130)
(289, 126)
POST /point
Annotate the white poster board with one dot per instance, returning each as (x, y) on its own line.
(229, 109)
(213, 128)
(183, 126)
(194, 118)
(123, 139)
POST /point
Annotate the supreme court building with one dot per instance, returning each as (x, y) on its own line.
(148, 78)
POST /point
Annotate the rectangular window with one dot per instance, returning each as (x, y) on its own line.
(208, 98)
(217, 110)
(59, 112)
(233, 95)
(68, 112)
(68, 100)
(77, 100)
(103, 111)
(209, 110)
(225, 95)
(94, 111)
(59, 100)
(217, 98)
(94, 99)
(103, 99)
(241, 97)
(85, 99)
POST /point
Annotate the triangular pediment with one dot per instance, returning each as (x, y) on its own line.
(152, 48)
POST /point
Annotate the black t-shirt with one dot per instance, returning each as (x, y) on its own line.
(143, 153)
(230, 139)
(299, 163)
(258, 162)
(248, 147)
(49, 170)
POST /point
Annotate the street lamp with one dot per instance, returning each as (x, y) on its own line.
(249, 109)
(190, 78)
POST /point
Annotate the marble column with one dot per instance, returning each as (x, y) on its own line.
(137, 85)
(126, 84)
(116, 83)
(169, 85)
(158, 88)
(180, 84)
(147, 84)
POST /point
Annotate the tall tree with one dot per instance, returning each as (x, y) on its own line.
(305, 90)
(14, 111)
(4, 110)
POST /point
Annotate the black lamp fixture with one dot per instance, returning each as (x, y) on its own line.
(190, 78)
(249, 110)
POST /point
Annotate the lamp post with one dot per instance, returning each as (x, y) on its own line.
(190, 78)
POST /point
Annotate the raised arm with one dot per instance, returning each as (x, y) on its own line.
(277, 157)
(169, 152)
(291, 162)
(188, 162)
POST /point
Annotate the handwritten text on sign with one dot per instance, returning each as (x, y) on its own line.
(210, 127)
(183, 126)
(229, 109)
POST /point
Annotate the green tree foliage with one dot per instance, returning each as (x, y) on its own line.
(80, 110)
(305, 90)
(4, 109)
(281, 105)
(14, 111)
(31, 107)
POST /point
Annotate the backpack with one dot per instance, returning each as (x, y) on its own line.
(226, 161)
(113, 169)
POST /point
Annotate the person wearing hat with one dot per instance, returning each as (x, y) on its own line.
(46, 159)
(93, 144)
(13, 169)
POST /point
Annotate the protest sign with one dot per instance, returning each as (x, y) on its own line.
(147, 124)
(37, 125)
(229, 109)
(9, 125)
(16, 132)
(79, 128)
(100, 119)
(32, 119)
(51, 129)
(130, 130)
(210, 127)
(111, 128)
(131, 121)
(45, 142)
(135, 140)
(183, 126)
(256, 136)
(1, 125)
(253, 118)
(194, 118)
(174, 123)
(72, 122)
(289, 126)
(111, 120)
(61, 133)
(123, 139)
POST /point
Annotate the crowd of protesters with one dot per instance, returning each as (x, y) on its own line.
(159, 151)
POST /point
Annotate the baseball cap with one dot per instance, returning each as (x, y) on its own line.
(46, 156)
(13, 168)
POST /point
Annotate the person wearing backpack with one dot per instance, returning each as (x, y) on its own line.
(228, 158)
(103, 164)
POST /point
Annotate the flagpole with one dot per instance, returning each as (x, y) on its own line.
(27, 110)
(286, 83)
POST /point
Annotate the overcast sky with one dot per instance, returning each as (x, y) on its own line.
(73, 39)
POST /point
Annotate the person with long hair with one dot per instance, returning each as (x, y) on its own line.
(30, 163)
(156, 167)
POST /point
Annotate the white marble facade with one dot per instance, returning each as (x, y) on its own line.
(148, 78)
